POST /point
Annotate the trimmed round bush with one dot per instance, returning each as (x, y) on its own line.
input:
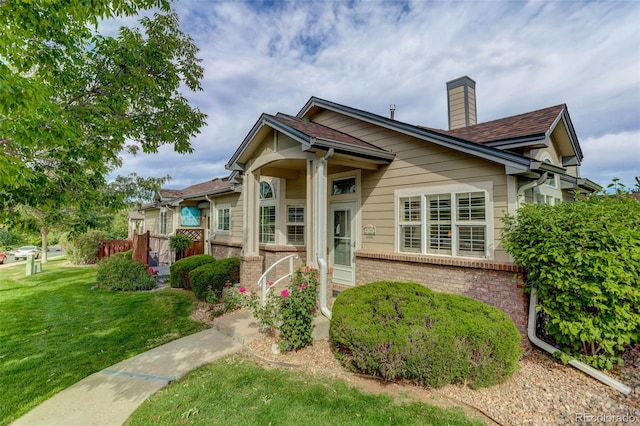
(214, 276)
(119, 273)
(397, 330)
(179, 271)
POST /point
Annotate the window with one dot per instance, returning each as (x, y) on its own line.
(453, 223)
(163, 222)
(411, 224)
(266, 191)
(471, 218)
(344, 186)
(224, 219)
(295, 225)
(439, 224)
(268, 224)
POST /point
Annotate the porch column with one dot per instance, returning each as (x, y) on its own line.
(311, 216)
(251, 263)
(250, 224)
(321, 220)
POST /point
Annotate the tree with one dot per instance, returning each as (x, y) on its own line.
(71, 100)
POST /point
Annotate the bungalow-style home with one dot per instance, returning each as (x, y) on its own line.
(365, 197)
(180, 211)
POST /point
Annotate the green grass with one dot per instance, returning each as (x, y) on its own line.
(235, 391)
(55, 330)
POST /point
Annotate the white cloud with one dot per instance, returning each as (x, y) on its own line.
(612, 156)
(523, 56)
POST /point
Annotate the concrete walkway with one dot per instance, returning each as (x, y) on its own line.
(110, 396)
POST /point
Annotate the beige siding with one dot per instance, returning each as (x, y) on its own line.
(296, 189)
(233, 200)
(456, 105)
(417, 164)
(152, 221)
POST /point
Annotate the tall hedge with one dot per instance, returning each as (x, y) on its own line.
(179, 270)
(397, 330)
(583, 259)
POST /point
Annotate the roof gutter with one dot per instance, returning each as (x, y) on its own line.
(596, 374)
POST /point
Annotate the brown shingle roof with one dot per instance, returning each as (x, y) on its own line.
(198, 188)
(320, 131)
(530, 124)
(203, 187)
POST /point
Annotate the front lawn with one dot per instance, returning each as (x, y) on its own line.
(235, 391)
(55, 330)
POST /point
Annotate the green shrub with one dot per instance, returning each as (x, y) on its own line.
(583, 259)
(119, 273)
(179, 271)
(214, 276)
(125, 254)
(83, 249)
(405, 331)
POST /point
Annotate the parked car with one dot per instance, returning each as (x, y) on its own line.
(3, 256)
(25, 251)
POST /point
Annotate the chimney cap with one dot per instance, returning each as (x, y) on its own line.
(461, 81)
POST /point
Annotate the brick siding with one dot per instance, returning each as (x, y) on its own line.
(494, 283)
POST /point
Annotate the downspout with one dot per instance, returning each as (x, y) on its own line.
(531, 332)
(208, 236)
(321, 230)
(527, 186)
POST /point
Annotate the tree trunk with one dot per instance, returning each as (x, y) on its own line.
(45, 248)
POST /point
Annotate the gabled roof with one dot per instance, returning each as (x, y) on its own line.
(322, 132)
(530, 129)
(172, 196)
(531, 125)
(210, 186)
(309, 135)
(515, 162)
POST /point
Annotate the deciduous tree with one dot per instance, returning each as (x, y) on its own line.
(71, 99)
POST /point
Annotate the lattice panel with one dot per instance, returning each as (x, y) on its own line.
(194, 234)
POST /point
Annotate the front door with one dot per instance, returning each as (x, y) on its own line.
(343, 242)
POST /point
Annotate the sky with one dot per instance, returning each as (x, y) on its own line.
(272, 56)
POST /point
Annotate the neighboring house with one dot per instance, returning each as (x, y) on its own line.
(185, 211)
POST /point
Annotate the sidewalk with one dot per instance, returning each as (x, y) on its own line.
(110, 396)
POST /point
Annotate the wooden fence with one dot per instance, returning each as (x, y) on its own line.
(139, 246)
(111, 247)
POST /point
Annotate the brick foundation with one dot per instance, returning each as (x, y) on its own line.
(251, 268)
(494, 283)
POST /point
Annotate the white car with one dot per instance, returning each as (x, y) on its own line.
(25, 251)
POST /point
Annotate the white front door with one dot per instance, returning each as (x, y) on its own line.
(342, 239)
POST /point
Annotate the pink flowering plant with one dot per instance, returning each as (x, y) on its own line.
(290, 311)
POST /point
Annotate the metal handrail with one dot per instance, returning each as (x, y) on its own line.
(262, 281)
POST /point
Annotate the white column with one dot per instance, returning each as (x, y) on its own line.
(310, 218)
(250, 217)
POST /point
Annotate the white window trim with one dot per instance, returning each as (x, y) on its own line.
(269, 202)
(218, 209)
(298, 204)
(164, 212)
(453, 189)
(352, 196)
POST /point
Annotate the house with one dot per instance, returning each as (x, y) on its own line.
(365, 197)
(181, 211)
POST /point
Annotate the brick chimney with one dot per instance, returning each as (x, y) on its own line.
(461, 101)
